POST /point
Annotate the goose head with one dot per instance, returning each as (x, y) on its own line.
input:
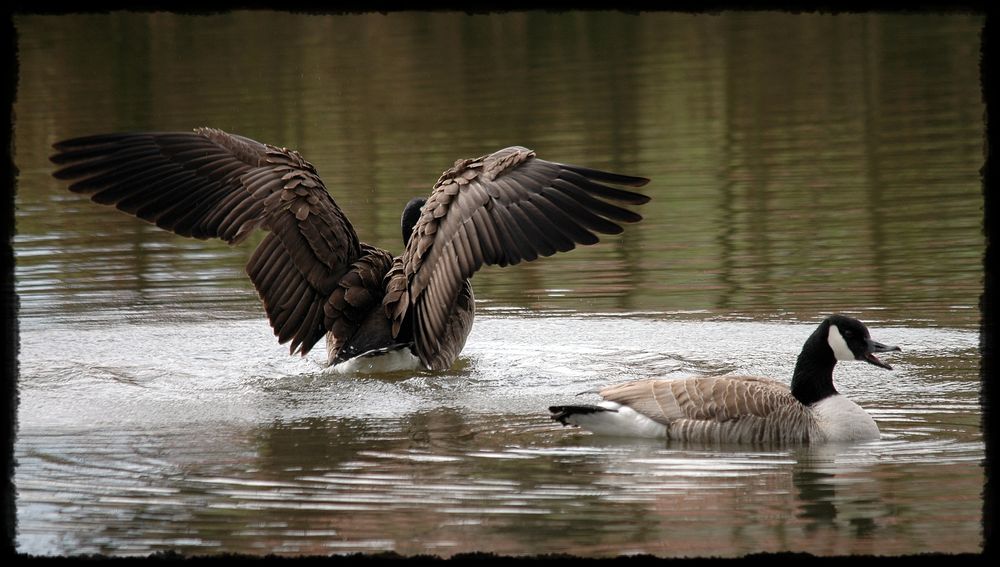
(849, 339)
(837, 338)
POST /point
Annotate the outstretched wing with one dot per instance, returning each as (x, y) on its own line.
(498, 209)
(211, 184)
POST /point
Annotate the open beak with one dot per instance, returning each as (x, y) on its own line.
(874, 346)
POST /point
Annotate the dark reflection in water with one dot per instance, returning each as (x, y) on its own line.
(445, 483)
(801, 164)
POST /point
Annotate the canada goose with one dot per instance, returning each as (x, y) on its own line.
(745, 409)
(312, 273)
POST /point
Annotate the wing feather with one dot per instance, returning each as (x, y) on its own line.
(212, 184)
(736, 409)
(499, 209)
(572, 229)
(710, 398)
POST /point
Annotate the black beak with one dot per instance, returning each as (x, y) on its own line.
(871, 347)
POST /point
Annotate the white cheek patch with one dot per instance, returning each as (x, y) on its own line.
(840, 349)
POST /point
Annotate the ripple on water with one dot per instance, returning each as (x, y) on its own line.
(134, 450)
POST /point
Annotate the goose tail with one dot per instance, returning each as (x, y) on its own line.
(570, 415)
(609, 418)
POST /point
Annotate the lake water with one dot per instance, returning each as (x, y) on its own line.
(800, 164)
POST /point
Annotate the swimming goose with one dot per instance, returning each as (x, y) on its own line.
(745, 409)
(312, 273)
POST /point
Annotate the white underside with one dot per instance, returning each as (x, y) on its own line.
(839, 419)
(623, 422)
(379, 361)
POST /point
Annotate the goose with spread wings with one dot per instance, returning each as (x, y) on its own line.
(311, 271)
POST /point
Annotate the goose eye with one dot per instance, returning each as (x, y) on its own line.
(848, 334)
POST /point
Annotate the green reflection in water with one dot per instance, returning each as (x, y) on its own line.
(800, 164)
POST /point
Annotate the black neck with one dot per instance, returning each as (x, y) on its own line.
(411, 214)
(812, 380)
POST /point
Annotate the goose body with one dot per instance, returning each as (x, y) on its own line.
(315, 277)
(744, 409)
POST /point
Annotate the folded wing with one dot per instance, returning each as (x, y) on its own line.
(734, 409)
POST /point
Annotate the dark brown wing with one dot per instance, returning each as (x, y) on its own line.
(499, 209)
(209, 183)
